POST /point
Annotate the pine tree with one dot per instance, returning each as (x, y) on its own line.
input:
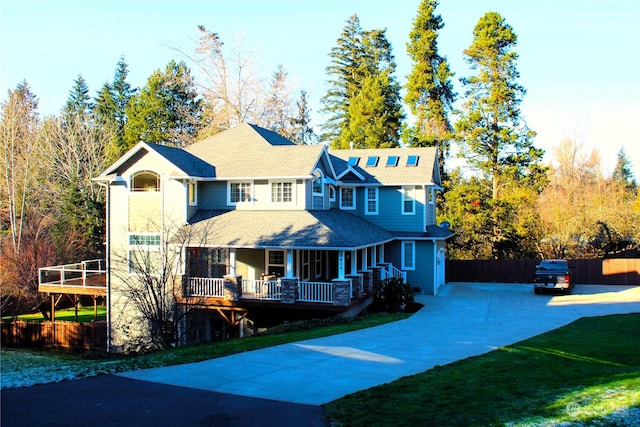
(362, 56)
(166, 111)
(623, 172)
(303, 132)
(430, 93)
(79, 102)
(278, 110)
(493, 138)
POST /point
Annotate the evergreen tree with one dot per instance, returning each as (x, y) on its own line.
(79, 102)
(303, 132)
(167, 110)
(110, 108)
(359, 57)
(430, 92)
(490, 131)
(623, 172)
(278, 110)
(345, 76)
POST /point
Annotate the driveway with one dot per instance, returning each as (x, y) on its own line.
(463, 320)
(284, 385)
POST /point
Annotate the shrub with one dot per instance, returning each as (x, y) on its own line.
(393, 295)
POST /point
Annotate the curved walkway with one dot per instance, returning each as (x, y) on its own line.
(464, 320)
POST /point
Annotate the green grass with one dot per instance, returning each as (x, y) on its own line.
(48, 365)
(579, 373)
(85, 314)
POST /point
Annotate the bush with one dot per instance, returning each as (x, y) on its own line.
(393, 295)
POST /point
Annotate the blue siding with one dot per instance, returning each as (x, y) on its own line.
(212, 195)
(390, 215)
(423, 275)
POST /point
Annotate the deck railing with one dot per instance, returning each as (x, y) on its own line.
(205, 287)
(266, 290)
(315, 291)
(74, 275)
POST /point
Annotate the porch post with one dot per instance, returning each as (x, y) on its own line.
(289, 271)
(341, 264)
(364, 259)
(374, 255)
(381, 260)
(232, 261)
(354, 261)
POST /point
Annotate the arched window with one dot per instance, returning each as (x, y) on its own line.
(145, 181)
(318, 183)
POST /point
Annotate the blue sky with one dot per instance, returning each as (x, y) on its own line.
(579, 59)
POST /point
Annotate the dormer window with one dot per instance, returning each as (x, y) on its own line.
(372, 161)
(145, 181)
(392, 161)
(318, 183)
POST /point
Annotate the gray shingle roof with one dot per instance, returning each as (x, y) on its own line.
(332, 229)
(249, 151)
(185, 161)
(423, 173)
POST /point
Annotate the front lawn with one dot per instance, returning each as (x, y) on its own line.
(586, 372)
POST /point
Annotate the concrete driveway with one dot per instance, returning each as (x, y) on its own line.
(463, 320)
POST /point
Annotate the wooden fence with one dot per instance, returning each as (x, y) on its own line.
(68, 335)
(623, 271)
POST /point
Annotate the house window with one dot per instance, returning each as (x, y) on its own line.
(408, 255)
(318, 183)
(392, 161)
(432, 197)
(412, 160)
(276, 263)
(145, 181)
(408, 201)
(332, 193)
(347, 198)
(144, 254)
(193, 194)
(372, 201)
(353, 161)
(281, 192)
(372, 161)
(239, 192)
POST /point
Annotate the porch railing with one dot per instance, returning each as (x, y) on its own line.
(315, 291)
(205, 287)
(261, 289)
(391, 271)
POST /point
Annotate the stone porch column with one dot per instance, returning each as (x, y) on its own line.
(232, 287)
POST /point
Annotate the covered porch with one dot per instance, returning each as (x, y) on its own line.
(325, 257)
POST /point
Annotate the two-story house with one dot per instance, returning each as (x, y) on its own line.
(252, 224)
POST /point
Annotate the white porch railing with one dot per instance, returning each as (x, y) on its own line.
(261, 289)
(205, 287)
(315, 291)
(391, 271)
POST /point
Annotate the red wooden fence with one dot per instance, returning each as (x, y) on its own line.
(69, 335)
(623, 271)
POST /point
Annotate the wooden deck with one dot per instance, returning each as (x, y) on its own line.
(85, 278)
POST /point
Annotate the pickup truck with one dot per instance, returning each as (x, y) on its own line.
(553, 274)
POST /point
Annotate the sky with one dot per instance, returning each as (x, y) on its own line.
(579, 60)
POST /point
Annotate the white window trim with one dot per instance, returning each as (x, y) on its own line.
(195, 193)
(267, 264)
(293, 192)
(142, 247)
(432, 196)
(367, 200)
(332, 193)
(413, 255)
(321, 179)
(348, 208)
(413, 200)
(251, 193)
(145, 171)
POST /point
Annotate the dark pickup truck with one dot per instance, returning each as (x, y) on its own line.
(553, 274)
